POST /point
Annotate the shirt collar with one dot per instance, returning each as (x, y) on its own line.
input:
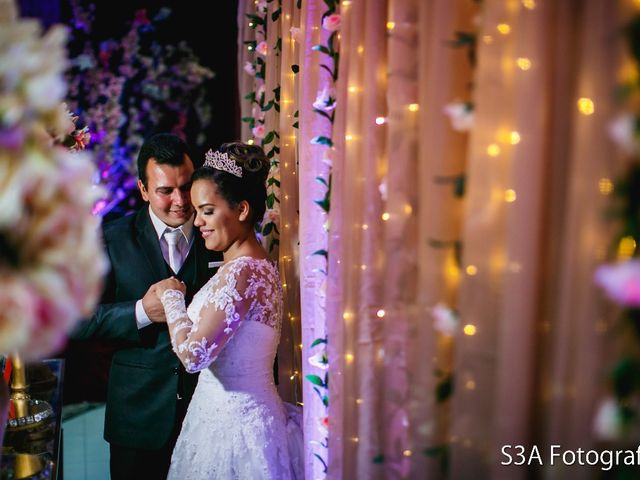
(159, 226)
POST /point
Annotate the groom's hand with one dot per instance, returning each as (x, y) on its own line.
(152, 305)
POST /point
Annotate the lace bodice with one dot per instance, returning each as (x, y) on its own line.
(244, 289)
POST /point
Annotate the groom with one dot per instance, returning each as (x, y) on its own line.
(148, 389)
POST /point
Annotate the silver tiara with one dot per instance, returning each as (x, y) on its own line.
(221, 161)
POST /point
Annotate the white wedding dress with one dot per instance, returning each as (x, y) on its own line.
(236, 427)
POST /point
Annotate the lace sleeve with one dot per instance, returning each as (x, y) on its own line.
(197, 342)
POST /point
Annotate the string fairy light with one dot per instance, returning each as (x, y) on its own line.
(626, 248)
(493, 150)
(523, 63)
(469, 330)
(605, 186)
(586, 106)
(510, 196)
(504, 28)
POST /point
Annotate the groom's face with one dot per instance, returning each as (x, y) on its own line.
(167, 191)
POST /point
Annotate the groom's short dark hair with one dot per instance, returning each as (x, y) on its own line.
(165, 149)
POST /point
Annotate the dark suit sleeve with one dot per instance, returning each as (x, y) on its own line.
(112, 320)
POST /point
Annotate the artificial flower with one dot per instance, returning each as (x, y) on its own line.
(445, 319)
(607, 424)
(331, 22)
(262, 48)
(382, 188)
(460, 114)
(272, 215)
(259, 131)
(621, 282)
(622, 131)
(250, 68)
(261, 6)
(323, 425)
(325, 100)
(320, 360)
(296, 34)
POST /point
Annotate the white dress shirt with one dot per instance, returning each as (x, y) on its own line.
(142, 319)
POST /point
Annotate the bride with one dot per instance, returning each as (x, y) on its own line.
(236, 426)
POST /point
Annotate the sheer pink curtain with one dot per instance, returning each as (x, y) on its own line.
(533, 233)
(532, 345)
(389, 206)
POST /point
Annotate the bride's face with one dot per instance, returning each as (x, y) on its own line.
(220, 224)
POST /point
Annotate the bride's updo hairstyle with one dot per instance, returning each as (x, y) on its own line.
(239, 171)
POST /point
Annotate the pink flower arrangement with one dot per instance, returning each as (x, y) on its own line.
(332, 22)
(52, 262)
(125, 88)
(621, 282)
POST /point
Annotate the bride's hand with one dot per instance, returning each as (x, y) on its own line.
(170, 284)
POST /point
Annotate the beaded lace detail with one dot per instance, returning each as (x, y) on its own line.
(244, 289)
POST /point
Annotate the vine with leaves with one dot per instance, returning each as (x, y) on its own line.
(618, 418)
(264, 103)
(324, 105)
(446, 319)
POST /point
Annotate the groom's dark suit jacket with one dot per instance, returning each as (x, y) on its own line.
(146, 377)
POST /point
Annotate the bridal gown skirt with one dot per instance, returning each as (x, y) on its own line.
(237, 427)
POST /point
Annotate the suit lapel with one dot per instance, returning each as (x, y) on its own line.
(149, 243)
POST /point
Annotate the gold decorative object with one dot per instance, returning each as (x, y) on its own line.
(29, 415)
(29, 424)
